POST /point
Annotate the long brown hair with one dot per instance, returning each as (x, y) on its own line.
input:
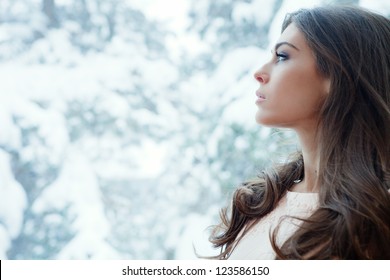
(352, 48)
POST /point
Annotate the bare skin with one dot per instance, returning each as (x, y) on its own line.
(291, 91)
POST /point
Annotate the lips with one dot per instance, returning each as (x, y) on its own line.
(260, 96)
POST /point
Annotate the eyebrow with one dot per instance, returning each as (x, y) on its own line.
(285, 43)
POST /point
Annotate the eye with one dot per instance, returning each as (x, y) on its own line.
(281, 56)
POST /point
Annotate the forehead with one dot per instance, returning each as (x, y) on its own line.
(294, 36)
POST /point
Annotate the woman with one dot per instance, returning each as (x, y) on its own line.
(329, 80)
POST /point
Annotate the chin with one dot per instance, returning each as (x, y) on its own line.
(262, 120)
(272, 122)
(265, 123)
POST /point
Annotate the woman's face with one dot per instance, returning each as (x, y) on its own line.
(291, 90)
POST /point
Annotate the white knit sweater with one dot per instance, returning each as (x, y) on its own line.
(256, 245)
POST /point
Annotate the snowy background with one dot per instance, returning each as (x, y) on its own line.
(127, 124)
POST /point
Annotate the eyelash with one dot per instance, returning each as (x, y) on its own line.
(280, 56)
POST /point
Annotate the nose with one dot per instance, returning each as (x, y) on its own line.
(261, 76)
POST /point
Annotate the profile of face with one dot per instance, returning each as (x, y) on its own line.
(291, 89)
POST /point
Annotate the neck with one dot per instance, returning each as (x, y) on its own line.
(309, 145)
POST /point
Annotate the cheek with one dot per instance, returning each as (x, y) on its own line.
(288, 78)
(304, 87)
(290, 86)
